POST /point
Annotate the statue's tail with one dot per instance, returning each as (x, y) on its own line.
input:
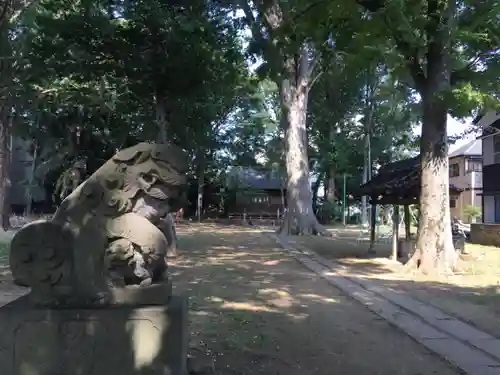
(40, 255)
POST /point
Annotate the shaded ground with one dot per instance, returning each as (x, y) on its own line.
(257, 311)
(472, 295)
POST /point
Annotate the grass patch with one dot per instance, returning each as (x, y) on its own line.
(485, 261)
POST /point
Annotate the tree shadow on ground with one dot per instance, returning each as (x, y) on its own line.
(472, 295)
(476, 305)
(256, 310)
(253, 310)
(345, 252)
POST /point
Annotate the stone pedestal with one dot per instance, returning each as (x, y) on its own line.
(121, 339)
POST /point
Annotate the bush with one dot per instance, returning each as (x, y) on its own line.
(471, 212)
(329, 212)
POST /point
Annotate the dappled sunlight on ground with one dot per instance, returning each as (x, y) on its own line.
(256, 310)
(472, 294)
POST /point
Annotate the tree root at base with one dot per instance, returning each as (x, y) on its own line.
(172, 252)
(416, 264)
(310, 226)
(412, 265)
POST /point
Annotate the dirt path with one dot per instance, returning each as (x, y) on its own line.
(255, 310)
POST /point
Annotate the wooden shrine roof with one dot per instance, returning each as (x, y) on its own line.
(397, 182)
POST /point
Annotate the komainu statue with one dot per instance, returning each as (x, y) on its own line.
(106, 233)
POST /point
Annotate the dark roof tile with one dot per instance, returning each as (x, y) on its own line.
(400, 178)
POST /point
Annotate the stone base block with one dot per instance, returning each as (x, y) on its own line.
(117, 339)
(485, 234)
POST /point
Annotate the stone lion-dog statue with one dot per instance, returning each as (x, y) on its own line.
(104, 234)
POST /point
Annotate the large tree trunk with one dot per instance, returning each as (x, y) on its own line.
(299, 217)
(283, 200)
(6, 85)
(168, 223)
(201, 183)
(315, 190)
(10, 12)
(366, 178)
(293, 72)
(31, 179)
(330, 193)
(434, 250)
(367, 150)
(330, 185)
(161, 119)
(5, 182)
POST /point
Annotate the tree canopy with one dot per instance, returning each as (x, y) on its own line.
(312, 90)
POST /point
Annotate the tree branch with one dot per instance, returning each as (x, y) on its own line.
(269, 49)
(464, 74)
(412, 62)
(461, 75)
(440, 16)
(255, 26)
(410, 53)
(315, 79)
(19, 8)
(307, 9)
(314, 71)
(307, 74)
(372, 5)
(4, 11)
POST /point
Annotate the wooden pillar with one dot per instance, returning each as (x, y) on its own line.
(418, 218)
(407, 219)
(373, 216)
(395, 232)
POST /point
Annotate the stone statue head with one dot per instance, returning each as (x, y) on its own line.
(146, 178)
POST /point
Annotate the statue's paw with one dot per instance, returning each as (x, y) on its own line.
(146, 282)
(116, 283)
(43, 300)
(161, 276)
(100, 298)
(115, 280)
(172, 252)
(91, 298)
